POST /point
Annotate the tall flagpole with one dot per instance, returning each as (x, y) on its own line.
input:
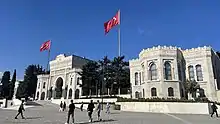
(119, 34)
(48, 59)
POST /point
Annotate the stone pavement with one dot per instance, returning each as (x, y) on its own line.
(48, 114)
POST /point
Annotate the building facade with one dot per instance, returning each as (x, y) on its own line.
(162, 72)
(63, 80)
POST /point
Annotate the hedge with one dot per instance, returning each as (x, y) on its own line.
(203, 100)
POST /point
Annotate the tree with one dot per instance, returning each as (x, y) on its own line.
(5, 84)
(12, 85)
(28, 86)
(90, 78)
(120, 74)
(105, 73)
(191, 87)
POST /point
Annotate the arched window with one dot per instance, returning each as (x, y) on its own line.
(170, 92)
(70, 94)
(44, 85)
(140, 77)
(71, 80)
(199, 73)
(143, 93)
(167, 70)
(179, 72)
(136, 94)
(136, 78)
(191, 72)
(38, 85)
(153, 91)
(153, 72)
(78, 80)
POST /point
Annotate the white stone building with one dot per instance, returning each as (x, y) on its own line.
(161, 72)
(63, 80)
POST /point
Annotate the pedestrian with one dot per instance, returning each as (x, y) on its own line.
(64, 106)
(98, 110)
(71, 112)
(20, 110)
(81, 107)
(214, 109)
(90, 110)
(108, 108)
(61, 106)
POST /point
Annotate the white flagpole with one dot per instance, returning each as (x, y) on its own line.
(119, 34)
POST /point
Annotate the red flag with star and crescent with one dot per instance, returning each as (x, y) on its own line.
(45, 46)
(112, 22)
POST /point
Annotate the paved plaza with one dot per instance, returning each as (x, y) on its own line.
(48, 114)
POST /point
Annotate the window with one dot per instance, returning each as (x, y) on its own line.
(136, 94)
(44, 85)
(170, 92)
(153, 72)
(140, 77)
(71, 80)
(136, 78)
(153, 91)
(167, 70)
(199, 73)
(179, 72)
(191, 72)
(143, 93)
(142, 73)
(38, 85)
(78, 80)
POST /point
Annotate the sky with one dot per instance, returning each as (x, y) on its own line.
(76, 27)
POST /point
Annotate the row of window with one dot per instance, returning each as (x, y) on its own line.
(154, 92)
(44, 85)
(168, 73)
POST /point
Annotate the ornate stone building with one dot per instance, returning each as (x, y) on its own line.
(63, 80)
(162, 72)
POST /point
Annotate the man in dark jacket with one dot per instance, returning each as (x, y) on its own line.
(20, 110)
(71, 112)
(214, 110)
(90, 110)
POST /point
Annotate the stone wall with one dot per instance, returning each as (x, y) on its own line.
(166, 107)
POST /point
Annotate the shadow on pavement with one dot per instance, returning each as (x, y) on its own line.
(114, 113)
(32, 118)
(110, 120)
(32, 103)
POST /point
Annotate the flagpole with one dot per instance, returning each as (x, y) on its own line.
(119, 35)
(48, 59)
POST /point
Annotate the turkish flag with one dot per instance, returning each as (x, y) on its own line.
(112, 22)
(45, 46)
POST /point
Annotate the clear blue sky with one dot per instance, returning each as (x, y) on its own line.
(76, 27)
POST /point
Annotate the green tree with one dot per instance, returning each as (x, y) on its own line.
(90, 78)
(12, 85)
(28, 86)
(105, 74)
(191, 87)
(120, 74)
(6, 84)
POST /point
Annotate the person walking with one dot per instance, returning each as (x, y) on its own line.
(20, 110)
(81, 107)
(61, 106)
(71, 112)
(90, 110)
(214, 110)
(98, 110)
(64, 106)
(108, 108)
